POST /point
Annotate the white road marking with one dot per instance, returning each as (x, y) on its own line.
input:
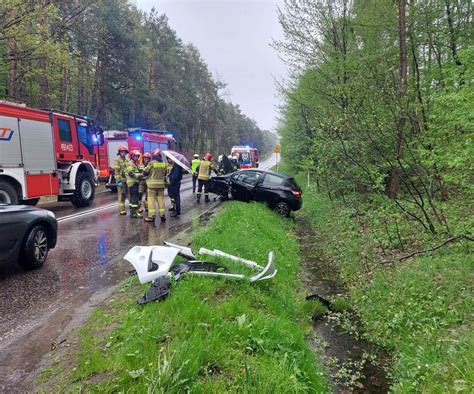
(88, 212)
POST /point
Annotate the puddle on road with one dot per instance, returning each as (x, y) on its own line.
(355, 365)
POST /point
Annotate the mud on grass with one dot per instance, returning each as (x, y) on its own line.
(210, 335)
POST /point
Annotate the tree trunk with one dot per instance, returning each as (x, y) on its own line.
(395, 174)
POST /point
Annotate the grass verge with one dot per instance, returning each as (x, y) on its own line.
(420, 309)
(210, 335)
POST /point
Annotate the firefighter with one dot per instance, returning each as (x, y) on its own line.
(194, 166)
(175, 176)
(133, 175)
(155, 174)
(146, 158)
(120, 177)
(220, 165)
(204, 172)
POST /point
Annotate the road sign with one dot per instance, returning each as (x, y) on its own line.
(277, 149)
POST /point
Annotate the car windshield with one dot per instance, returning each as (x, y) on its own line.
(249, 177)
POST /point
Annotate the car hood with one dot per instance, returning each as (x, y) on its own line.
(18, 208)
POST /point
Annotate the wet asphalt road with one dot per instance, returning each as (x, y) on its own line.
(39, 307)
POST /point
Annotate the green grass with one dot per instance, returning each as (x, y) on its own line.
(419, 309)
(211, 335)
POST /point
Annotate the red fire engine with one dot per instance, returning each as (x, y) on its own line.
(47, 152)
(136, 138)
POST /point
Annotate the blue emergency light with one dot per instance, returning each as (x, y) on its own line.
(138, 137)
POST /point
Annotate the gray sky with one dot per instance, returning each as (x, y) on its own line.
(233, 37)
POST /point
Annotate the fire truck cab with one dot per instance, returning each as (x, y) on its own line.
(47, 152)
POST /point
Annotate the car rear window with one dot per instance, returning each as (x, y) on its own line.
(290, 182)
(272, 180)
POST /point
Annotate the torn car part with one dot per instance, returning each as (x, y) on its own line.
(183, 250)
(151, 262)
(219, 253)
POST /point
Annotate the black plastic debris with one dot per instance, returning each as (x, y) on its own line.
(161, 287)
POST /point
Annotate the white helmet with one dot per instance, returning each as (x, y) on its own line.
(196, 155)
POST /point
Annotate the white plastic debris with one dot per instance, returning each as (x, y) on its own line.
(151, 262)
(183, 250)
(219, 253)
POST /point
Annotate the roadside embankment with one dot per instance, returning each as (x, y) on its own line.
(210, 334)
(418, 308)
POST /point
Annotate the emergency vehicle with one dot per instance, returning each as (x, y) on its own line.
(47, 152)
(143, 140)
(248, 156)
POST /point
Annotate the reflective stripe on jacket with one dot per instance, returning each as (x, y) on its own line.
(155, 174)
(119, 168)
(132, 173)
(205, 167)
(195, 165)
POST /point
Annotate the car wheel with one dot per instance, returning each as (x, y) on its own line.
(84, 193)
(8, 194)
(35, 248)
(283, 209)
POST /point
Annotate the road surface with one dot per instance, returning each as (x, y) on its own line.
(38, 308)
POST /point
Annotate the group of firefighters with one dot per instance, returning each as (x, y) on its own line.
(144, 181)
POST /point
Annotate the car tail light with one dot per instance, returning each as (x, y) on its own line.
(297, 193)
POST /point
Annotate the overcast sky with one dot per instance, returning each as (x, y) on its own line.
(233, 37)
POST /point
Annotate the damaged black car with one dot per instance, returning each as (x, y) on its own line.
(280, 192)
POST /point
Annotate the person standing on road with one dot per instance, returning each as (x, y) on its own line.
(155, 174)
(133, 183)
(194, 165)
(142, 187)
(175, 177)
(119, 173)
(204, 172)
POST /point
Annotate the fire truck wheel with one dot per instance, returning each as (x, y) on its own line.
(85, 190)
(35, 248)
(8, 194)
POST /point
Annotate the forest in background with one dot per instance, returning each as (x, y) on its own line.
(122, 67)
(381, 101)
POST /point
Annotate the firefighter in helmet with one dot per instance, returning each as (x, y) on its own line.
(119, 173)
(133, 175)
(194, 165)
(204, 173)
(146, 158)
(155, 175)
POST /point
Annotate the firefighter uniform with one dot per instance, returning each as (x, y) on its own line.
(142, 189)
(194, 165)
(119, 168)
(204, 173)
(133, 175)
(155, 175)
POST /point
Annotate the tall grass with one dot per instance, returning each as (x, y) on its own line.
(420, 309)
(211, 335)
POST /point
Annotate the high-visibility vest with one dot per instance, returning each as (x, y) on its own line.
(195, 165)
(157, 174)
(204, 170)
(132, 172)
(119, 168)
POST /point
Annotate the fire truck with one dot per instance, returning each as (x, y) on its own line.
(47, 152)
(248, 156)
(143, 140)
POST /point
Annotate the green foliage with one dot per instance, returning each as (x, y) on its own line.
(124, 68)
(420, 309)
(343, 112)
(211, 334)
